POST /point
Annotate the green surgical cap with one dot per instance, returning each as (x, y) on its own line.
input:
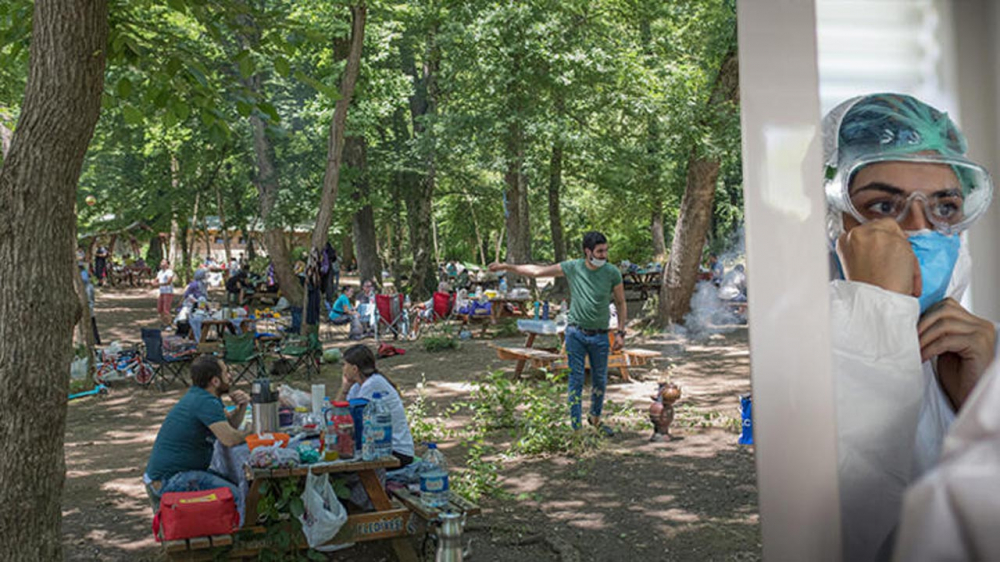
(891, 124)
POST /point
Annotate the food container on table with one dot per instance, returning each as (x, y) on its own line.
(255, 440)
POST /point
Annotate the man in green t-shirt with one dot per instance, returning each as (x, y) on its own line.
(182, 452)
(592, 281)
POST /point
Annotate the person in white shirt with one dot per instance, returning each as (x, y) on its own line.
(361, 379)
(165, 282)
(906, 353)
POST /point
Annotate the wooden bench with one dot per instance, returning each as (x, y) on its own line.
(540, 358)
(456, 503)
(545, 359)
(198, 548)
(621, 360)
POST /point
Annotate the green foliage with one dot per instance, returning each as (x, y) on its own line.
(443, 342)
(424, 427)
(621, 87)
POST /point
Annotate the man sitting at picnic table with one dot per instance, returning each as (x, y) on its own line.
(182, 452)
(591, 283)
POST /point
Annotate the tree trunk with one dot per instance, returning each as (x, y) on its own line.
(224, 232)
(696, 208)
(656, 226)
(335, 143)
(267, 176)
(346, 254)
(516, 213)
(38, 183)
(5, 136)
(193, 230)
(175, 170)
(420, 187)
(555, 214)
(363, 223)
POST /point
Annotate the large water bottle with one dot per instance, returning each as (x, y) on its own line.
(377, 429)
(434, 481)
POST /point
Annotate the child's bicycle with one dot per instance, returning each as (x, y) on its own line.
(127, 364)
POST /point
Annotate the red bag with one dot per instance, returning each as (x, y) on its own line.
(184, 515)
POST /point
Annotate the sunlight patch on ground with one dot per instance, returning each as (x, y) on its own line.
(132, 486)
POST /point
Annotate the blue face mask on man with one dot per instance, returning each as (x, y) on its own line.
(937, 254)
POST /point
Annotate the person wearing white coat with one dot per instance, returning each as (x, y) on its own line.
(906, 353)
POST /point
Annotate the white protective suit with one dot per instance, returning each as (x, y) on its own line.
(892, 415)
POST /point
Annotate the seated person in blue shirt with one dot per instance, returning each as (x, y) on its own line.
(182, 452)
(343, 312)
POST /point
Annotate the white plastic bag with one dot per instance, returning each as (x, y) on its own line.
(78, 368)
(294, 397)
(323, 514)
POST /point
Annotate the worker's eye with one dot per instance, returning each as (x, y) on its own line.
(884, 207)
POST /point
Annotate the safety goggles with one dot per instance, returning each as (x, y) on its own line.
(950, 208)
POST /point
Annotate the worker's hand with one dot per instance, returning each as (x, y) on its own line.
(497, 266)
(963, 343)
(879, 254)
(619, 342)
(239, 397)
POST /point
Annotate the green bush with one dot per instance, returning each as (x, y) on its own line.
(440, 343)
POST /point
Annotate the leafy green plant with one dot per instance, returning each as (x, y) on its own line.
(424, 427)
(440, 343)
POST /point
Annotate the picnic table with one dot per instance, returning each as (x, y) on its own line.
(390, 520)
(557, 359)
(644, 281)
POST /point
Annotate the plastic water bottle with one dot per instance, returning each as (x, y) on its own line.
(377, 442)
(434, 481)
(503, 286)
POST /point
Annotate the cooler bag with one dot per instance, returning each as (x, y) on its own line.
(184, 515)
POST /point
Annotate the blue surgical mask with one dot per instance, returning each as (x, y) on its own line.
(937, 254)
(597, 263)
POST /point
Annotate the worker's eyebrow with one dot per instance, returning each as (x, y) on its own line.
(879, 186)
(893, 190)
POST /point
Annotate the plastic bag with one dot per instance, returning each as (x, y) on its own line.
(323, 514)
(294, 397)
(273, 456)
(78, 368)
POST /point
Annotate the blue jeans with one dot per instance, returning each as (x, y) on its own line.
(578, 346)
(194, 481)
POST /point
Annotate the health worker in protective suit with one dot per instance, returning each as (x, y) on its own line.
(907, 353)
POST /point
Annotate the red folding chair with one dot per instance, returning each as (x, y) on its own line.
(444, 305)
(392, 317)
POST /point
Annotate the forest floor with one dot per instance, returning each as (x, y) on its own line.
(693, 498)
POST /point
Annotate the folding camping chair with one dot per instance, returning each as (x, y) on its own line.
(164, 365)
(392, 316)
(241, 356)
(301, 352)
(442, 310)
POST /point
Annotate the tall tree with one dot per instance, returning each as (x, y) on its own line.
(363, 220)
(38, 184)
(420, 185)
(335, 145)
(696, 207)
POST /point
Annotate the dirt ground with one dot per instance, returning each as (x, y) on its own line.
(693, 498)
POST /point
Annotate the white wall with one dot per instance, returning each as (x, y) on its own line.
(788, 310)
